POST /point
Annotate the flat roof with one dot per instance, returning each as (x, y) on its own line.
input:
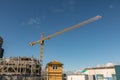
(100, 68)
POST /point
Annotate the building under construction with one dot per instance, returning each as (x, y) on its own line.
(19, 66)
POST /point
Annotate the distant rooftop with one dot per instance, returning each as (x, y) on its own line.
(107, 66)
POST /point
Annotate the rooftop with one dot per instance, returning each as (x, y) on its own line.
(54, 62)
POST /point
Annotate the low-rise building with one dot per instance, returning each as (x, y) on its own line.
(54, 70)
(109, 72)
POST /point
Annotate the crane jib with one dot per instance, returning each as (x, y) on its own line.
(73, 27)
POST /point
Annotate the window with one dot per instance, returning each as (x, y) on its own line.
(114, 76)
(100, 77)
(55, 67)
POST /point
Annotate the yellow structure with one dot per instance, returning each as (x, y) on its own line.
(54, 70)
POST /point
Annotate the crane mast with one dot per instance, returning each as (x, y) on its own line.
(41, 48)
(41, 41)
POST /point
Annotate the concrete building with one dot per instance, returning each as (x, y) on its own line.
(101, 73)
(109, 72)
(19, 68)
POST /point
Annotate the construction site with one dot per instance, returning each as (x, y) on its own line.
(29, 68)
(15, 66)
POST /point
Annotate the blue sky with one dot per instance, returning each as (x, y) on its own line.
(23, 21)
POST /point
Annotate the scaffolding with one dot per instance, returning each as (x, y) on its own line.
(19, 66)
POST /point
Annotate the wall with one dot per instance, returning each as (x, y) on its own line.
(105, 72)
(59, 70)
(76, 77)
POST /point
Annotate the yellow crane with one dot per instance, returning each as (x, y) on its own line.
(41, 41)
